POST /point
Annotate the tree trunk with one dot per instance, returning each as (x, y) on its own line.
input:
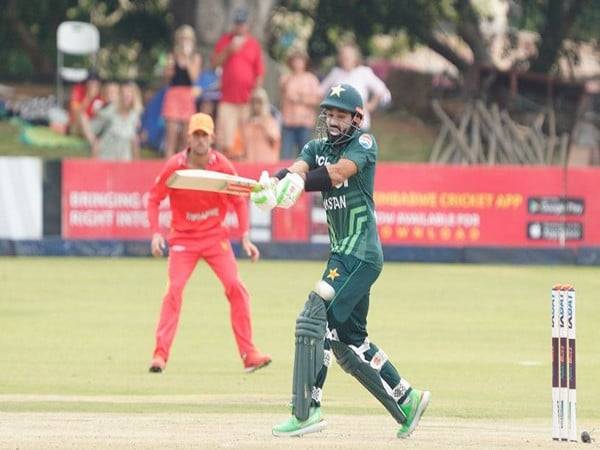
(468, 30)
(214, 17)
(560, 17)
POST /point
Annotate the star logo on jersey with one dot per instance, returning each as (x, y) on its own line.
(333, 274)
(337, 91)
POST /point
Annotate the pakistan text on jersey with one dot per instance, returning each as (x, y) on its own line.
(334, 202)
(198, 217)
(321, 160)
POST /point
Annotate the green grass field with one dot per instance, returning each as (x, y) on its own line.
(477, 336)
(401, 138)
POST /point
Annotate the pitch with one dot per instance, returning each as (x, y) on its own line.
(78, 336)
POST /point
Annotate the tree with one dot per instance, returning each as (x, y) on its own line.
(555, 21)
(131, 35)
(437, 24)
(28, 34)
(425, 22)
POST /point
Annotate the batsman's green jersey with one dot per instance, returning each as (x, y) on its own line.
(350, 208)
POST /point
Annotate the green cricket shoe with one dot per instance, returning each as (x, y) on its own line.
(413, 409)
(295, 427)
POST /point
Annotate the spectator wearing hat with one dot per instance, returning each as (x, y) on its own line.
(240, 56)
(300, 95)
(198, 232)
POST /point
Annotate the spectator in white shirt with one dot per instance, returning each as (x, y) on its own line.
(372, 89)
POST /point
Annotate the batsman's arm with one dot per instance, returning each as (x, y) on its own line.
(300, 167)
(325, 177)
(341, 171)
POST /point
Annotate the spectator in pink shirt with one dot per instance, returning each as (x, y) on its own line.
(300, 95)
(260, 133)
(240, 56)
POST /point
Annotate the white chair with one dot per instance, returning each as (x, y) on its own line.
(74, 38)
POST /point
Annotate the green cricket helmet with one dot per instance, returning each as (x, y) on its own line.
(345, 98)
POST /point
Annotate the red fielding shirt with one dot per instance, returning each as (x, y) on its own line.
(240, 70)
(196, 215)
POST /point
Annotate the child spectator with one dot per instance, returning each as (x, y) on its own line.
(85, 101)
(110, 92)
(260, 133)
(300, 95)
(208, 88)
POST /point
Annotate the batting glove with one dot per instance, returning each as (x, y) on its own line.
(264, 198)
(289, 190)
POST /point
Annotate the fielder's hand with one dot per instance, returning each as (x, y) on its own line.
(158, 244)
(289, 190)
(250, 249)
(265, 198)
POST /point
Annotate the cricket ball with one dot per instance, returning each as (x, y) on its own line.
(585, 437)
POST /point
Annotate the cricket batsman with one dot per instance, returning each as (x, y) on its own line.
(197, 232)
(341, 165)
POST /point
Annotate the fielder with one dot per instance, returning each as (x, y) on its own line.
(333, 321)
(197, 232)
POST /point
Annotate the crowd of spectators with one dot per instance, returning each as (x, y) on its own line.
(113, 131)
(248, 126)
(107, 114)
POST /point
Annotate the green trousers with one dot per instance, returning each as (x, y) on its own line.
(351, 279)
(347, 313)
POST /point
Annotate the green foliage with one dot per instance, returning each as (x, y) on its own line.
(532, 14)
(39, 17)
(335, 18)
(132, 35)
(289, 30)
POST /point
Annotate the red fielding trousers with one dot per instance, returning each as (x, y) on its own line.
(183, 257)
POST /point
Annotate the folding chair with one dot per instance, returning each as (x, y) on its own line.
(74, 38)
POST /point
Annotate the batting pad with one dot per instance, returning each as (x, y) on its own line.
(309, 357)
(368, 376)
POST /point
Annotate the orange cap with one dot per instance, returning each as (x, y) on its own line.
(201, 121)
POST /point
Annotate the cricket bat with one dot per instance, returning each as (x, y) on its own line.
(208, 180)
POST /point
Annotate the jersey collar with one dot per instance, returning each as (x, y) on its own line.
(212, 158)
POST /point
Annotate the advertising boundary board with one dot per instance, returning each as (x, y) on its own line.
(426, 213)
